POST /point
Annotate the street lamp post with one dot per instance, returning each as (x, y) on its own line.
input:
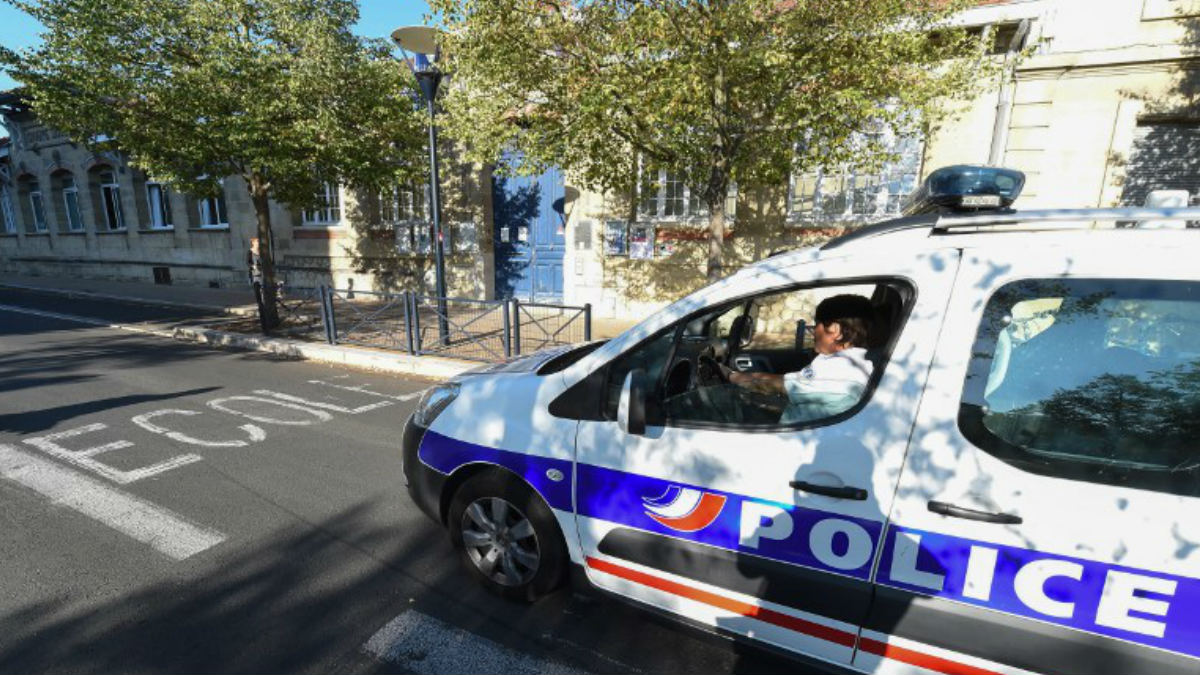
(421, 41)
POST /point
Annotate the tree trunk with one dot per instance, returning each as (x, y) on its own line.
(269, 307)
(716, 230)
(718, 181)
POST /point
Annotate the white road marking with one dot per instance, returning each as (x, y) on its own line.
(83, 457)
(423, 645)
(86, 320)
(326, 406)
(364, 390)
(54, 315)
(256, 433)
(220, 404)
(164, 531)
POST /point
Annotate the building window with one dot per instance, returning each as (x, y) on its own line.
(328, 210)
(407, 202)
(7, 214)
(1163, 157)
(405, 208)
(850, 194)
(70, 194)
(158, 197)
(663, 194)
(212, 209)
(110, 196)
(37, 207)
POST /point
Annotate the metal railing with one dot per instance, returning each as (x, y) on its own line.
(301, 310)
(475, 329)
(479, 330)
(537, 325)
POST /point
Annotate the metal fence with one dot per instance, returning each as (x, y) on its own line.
(367, 319)
(474, 329)
(538, 325)
(479, 330)
(301, 311)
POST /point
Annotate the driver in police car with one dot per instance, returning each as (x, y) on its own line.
(837, 377)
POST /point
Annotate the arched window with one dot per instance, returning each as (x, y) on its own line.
(158, 205)
(33, 204)
(213, 213)
(106, 200)
(8, 216)
(66, 202)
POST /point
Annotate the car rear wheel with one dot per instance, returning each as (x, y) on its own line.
(507, 536)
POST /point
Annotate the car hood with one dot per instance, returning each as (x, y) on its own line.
(521, 364)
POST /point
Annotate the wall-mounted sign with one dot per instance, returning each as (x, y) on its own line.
(464, 241)
(615, 242)
(641, 242)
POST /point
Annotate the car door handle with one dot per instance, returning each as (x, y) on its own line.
(971, 514)
(845, 492)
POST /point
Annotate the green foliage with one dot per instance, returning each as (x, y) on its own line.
(714, 90)
(277, 91)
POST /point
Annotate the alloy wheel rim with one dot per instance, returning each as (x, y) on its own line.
(500, 541)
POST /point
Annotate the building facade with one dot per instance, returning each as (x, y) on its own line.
(1097, 105)
(68, 211)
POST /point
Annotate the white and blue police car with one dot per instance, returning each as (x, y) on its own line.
(1015, 489)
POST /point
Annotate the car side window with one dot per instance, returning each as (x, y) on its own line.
(651, 357)
(1090, 380)
(766, 337)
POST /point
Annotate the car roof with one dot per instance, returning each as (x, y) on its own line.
(1091, 229)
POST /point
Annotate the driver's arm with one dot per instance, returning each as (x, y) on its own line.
(763, 383)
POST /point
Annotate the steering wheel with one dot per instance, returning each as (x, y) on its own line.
(708, 371)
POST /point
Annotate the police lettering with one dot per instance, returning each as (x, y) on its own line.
(1126, 602)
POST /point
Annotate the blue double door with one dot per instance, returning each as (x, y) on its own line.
(530, 236)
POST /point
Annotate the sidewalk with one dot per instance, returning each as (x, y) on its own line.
(242, 332)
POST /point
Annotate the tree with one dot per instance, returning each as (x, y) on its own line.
(278, 92)
(716, 91)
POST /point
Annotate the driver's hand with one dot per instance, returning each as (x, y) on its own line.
(726, 371)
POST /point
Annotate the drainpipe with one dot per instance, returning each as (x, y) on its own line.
(1004, 103)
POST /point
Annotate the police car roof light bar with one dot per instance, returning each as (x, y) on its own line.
(965, 187)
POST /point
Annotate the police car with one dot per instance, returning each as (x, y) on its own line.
(1016, 488)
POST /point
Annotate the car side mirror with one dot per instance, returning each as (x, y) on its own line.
(631, 410)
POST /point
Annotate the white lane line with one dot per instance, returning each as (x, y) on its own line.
(423, 645)
(84, 319)
(162, 530)
(364, 389)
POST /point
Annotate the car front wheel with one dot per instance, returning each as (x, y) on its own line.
(507, 536)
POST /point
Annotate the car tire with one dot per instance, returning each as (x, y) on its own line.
(507, 536)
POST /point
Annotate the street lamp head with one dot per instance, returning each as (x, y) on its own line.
(421, 43)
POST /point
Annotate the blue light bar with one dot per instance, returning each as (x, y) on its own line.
(963, 188)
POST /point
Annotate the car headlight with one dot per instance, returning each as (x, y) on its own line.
(433, 402)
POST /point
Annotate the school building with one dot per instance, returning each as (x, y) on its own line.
(1099, 111)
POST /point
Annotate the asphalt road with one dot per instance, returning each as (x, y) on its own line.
(172, 508)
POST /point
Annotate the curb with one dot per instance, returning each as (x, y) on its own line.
(240, 310)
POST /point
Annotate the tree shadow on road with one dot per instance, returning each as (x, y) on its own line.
(307, 599)
(30, 421)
